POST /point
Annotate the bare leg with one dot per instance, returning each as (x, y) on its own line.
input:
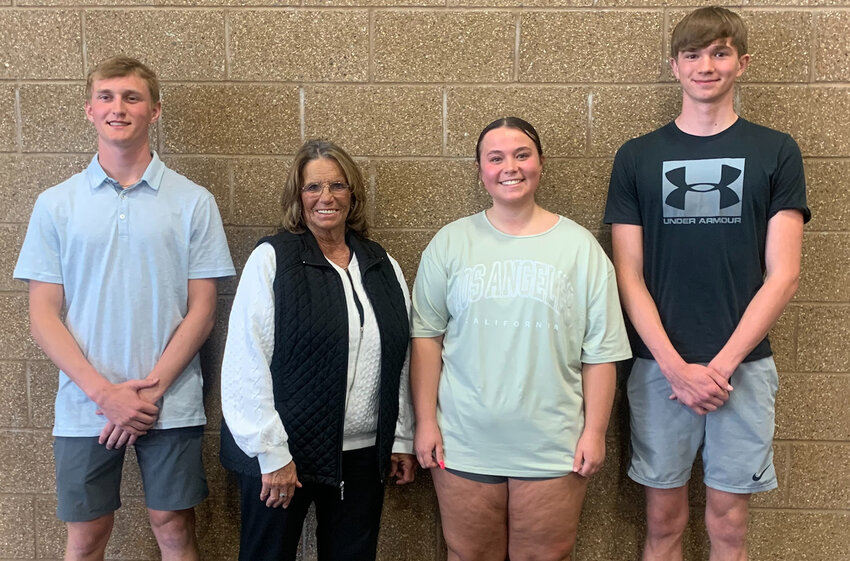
(87, 540)
(666, 518)
(543, 517)
(474, 517)
(175, 534)
(726, 516)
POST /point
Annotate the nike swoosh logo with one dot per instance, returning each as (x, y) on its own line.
(757, 477)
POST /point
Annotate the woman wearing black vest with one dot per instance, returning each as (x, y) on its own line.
(314, 379)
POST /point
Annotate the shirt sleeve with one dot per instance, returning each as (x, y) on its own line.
(788, 182)
(40, 258)
(605, 338)
(430, 315)
(247, 398)
(623, 206)
(403, 442)
(209, 256)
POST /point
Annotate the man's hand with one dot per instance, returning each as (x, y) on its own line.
(403, 468)
(701, 388)
(124, 408)
(590, 453)
(113, 436)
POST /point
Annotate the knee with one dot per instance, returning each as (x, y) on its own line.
(87, 540)
(554, 551)
(729, 527)
(174, 530)
(667, 523)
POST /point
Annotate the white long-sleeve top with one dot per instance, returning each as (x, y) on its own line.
(247, 398)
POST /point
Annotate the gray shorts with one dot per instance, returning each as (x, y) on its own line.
(736, 440)
(88, 476)
(493, 479)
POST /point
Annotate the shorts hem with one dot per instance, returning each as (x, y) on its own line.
(185, 505)
(656, 484)
(767, 486)
(73, 517)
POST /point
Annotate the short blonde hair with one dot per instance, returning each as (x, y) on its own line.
(120, 66)
(292, 218)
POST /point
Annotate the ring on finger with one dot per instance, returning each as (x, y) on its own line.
(282, 496)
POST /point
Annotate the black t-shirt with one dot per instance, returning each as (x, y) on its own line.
(704, 203)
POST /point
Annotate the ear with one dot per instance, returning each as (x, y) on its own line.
(157, 111)
(743, 62)
(674, 66)
(89, 111)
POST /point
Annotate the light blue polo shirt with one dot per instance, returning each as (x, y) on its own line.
(124, 257)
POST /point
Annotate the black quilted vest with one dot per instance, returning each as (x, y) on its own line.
(310, 359)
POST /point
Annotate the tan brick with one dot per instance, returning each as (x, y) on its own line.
(23, 178)
(558, 113)
(374, 2)
(51, 531)
(216, 119)
(817, 473)
(216, 474)
(828, 194)
(8, 122)
(17, 527)
(825, 269)
(131, 476)
(426, 193)
(218, 523)
(132, 537)
(576, 189)
(444, 46)
(40, 44)
(568, 46)
(812, 407)
(376, 120)
(242, 242)
(11, 238)
(211, 355)
(519, 3)
(26, 462)
(177, 45)
(74, 3)
(414, 513)
(817, 117)
(211, 173)
(54, 119)
(405, 247)
(824, 339)
(791, 536)
(832, 47)
(783, 340)
(304, 45)
(13, 400)
(779, 497)
(213, 3)
(15, 337)
(622, 113)
(44, 382)
(257, 186)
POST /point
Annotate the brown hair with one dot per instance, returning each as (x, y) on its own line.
(292, 219)
(120, 66)
(704, 26)
(511, 123)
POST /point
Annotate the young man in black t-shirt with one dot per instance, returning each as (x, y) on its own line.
(707, 217)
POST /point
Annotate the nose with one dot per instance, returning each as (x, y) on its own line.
(117, 105)
(706, 63)
(325, 193)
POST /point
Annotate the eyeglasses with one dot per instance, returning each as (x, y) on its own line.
(335, 188)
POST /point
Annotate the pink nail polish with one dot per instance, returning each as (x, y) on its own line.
(442, 464)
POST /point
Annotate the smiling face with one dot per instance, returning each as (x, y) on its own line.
(325, 212)
(121, 110)
(510, 166)
(708, 74)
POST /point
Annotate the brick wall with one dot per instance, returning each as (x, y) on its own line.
(405, 86)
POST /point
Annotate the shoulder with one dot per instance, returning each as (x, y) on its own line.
(576, 233)
(62, 192)
(659, 136)
(179, 185)
(763, 137)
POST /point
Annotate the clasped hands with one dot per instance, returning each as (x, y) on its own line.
(702, 388)
(130, 411)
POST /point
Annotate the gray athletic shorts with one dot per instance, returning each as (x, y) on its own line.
(88, 476)
(736, 440)
(493, 479)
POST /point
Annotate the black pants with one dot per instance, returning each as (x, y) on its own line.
(346, 529)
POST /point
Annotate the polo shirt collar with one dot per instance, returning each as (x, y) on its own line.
(152, 177)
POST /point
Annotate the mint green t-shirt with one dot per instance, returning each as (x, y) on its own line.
(519, 315)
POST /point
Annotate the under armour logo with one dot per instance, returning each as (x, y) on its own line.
(728, 197)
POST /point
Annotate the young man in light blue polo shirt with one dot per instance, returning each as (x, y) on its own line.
(129, 252)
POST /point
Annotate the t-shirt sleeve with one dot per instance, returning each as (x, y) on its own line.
(430, 315)
(623, 206)
(40, 258)
(605, 338)
(788, 183)
(209, 256)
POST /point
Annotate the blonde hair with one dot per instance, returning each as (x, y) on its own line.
(120, 66)
(292, 218)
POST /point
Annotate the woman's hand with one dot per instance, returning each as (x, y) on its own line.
(428, 445)
(279, 486)
(590, 453)
(403, 468)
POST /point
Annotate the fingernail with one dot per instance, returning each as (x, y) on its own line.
(442, 464)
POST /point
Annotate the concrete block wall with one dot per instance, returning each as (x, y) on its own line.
(405, 86)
